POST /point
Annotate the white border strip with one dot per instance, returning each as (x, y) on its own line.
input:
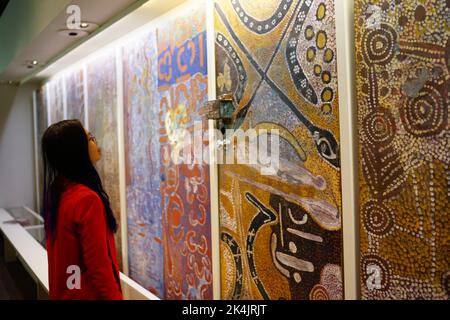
(213, 168)
(121, 155)
(36, 154)
(345, 44)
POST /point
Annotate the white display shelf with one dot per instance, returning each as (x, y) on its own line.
(28, 250)
(25, 242)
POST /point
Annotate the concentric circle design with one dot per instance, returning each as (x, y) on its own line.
(310, 54)
(425, 115)
(378, 45)
(317, 69)
(328, 55)
(318, 292)
(327, 109)
(327, 94)
(377, 218)
(326, 77)
(321, 39)
(375, 272)
(321, 12)
(309, 33)
(379, 127)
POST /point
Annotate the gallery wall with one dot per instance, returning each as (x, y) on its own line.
(147, 86)
(17, 184)
(279, 236)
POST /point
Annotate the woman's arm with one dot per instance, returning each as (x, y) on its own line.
(94, 235)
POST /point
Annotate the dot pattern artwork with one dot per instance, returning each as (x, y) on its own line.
(403, 80)
(281, 234)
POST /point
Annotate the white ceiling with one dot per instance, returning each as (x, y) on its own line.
(139, 18)
(46, 47)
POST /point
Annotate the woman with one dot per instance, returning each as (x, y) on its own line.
(79, 222)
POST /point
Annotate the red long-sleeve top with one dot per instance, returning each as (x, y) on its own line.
(83, 240)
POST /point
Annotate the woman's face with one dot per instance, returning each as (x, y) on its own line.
(95, 152)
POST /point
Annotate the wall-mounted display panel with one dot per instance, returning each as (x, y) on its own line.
(142, 155)
(281, 234)
(185, 193)
(403, 61)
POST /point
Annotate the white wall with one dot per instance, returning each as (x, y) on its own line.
(17, 186)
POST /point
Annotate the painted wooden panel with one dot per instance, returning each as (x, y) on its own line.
(182, 85)
(403, 61)
(55, 91)
(102, 114)
(281, 234)
(75, 95)
(142, 152)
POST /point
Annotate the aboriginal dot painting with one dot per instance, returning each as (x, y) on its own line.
(41, 110)
(185, 195)
(55, 93)
(403, 80)
(75, 95)
(102, 113)
(142, 158)
(281, 234)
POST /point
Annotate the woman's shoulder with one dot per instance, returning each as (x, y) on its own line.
(77, 201)
(79, 192)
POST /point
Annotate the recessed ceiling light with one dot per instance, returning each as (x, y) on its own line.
(73, 33)
(34, 62)
(84, 25)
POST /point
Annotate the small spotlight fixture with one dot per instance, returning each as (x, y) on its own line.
(73, 33)
(82, 29)
(30, 64)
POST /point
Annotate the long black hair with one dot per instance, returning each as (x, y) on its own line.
(66, 161)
